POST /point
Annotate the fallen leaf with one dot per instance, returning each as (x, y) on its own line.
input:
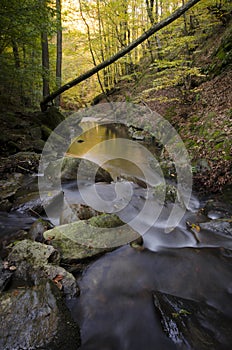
(12, 268)
(58, 278)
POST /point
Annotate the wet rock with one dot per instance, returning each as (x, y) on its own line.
(67, 169)
(10, 185)
(5, 205)
(37, 318)
(87, 238)
(37, 202)
(216, 209)
(21, 162)
(5, 276)
(218, 227)
(215, 232)
(35, 261)
(138, 244)
(193, 325)
(75, 212)
(135, 179)
(37, 229)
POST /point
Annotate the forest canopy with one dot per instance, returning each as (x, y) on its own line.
(44, 44)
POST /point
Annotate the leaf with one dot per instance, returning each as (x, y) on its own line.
(58, 278)
(193, 226)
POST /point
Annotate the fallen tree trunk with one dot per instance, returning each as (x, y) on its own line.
(155, 28)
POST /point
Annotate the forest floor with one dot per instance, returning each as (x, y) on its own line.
(201, 111)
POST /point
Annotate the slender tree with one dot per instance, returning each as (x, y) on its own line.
(58, 49)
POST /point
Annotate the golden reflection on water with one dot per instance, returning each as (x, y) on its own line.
(95, 135)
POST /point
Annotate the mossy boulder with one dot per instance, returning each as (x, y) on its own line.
(88, 238)
(35, 261)
(50, 118)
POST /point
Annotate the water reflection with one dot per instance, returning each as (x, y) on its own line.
(93, 134)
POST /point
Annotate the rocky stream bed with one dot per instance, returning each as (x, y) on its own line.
(67, 283)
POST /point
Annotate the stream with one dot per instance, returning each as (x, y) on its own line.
(115, 309)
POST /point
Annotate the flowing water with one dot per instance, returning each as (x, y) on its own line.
(115, 309)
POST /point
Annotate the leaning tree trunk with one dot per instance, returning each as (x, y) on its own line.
(155, 28)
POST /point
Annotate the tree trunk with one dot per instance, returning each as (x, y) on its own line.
(155, 28)
(16, 54)
(45, 64)
(58, 49)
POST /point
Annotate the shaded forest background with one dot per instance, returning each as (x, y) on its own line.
(46, 43)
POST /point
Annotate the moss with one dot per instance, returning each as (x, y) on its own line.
(195, 118)
(219, 146)
(106, 220)
(46, 131)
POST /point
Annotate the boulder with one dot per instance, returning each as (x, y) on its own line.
(66, 169)
(36, 318)
(191, 324)
(216, 209)
(75, 212)
(5, 275)
(10, 185)
(50, 118)
(37, 229)
(37, 201)
(88, 238)
(35, 261)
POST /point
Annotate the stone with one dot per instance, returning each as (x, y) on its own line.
(191, 324)
(5, 276)
(51, 118)
(37, 229)
(37, 318)
(216, 209)
(10, 186)
(75, 212)
(88, 238)
(35, 261)
(66, 169)
(37, 202)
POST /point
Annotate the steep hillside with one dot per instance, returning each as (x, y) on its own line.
(200, 108)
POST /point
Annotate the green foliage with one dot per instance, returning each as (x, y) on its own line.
(105, 27)
(21, 23)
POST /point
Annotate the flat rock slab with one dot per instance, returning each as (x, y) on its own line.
(86, 238)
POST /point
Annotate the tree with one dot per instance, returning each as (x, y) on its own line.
(58, 49)
(155, 28)
(25, 26)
